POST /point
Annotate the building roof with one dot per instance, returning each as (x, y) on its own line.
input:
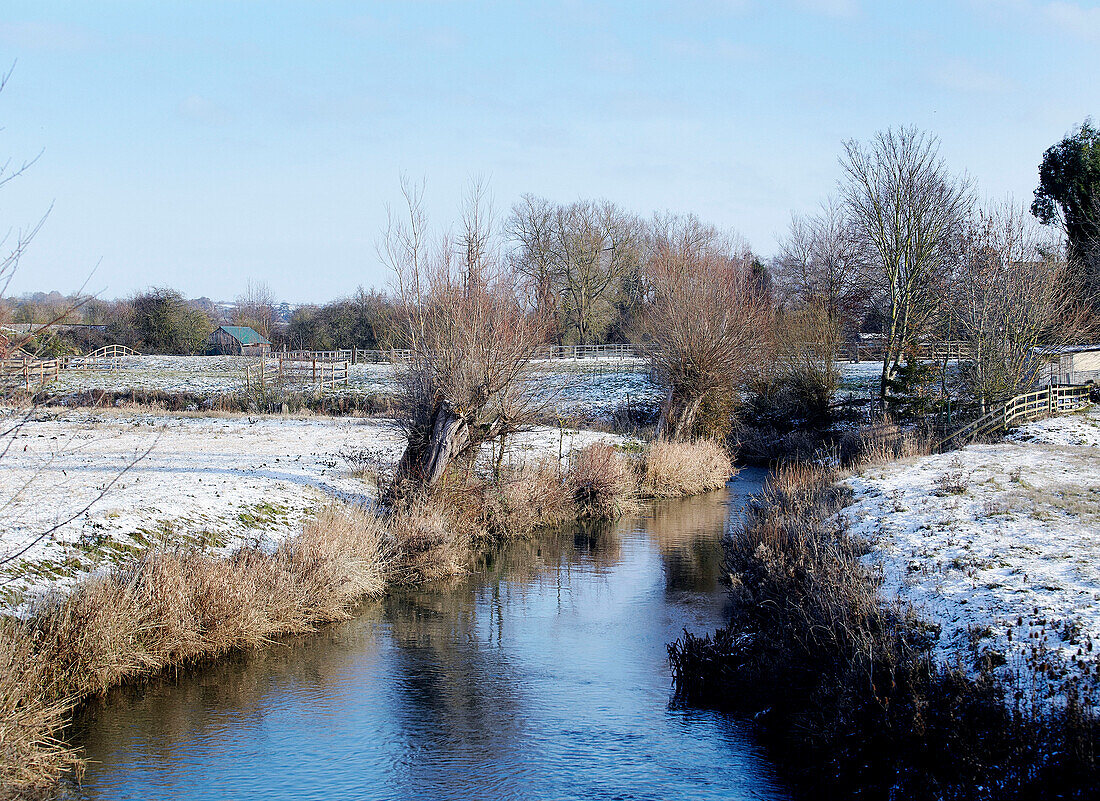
(1068, 349)
(244, 334)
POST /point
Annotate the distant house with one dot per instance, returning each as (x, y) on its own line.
(237, 340)
(1077, 364)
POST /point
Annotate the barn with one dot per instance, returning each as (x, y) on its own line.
(237, 340)
(1077, 364)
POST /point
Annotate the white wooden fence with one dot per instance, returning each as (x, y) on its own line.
(1021, 409)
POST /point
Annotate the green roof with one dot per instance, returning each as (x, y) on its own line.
(244, 335)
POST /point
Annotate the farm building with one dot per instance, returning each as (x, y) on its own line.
(237, 340)
(1078, 364)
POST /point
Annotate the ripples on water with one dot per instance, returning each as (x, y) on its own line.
(542, 675)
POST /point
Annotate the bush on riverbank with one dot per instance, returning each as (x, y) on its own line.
(846, 688)
(678, 469)
(171, 608)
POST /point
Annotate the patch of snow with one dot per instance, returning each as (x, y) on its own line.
(213, 483)
(999, 547)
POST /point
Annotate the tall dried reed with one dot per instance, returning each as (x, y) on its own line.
(675, 469)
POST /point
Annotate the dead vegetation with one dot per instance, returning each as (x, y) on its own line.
(171, 608)
(677, 469)
(843, 685)
(180, 608)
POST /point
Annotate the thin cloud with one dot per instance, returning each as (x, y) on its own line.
(202, 109)
(1061, 16)
(47, 36)
(1074, 18)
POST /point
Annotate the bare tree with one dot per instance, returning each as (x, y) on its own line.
(708, 318)
(905, 210)
(580, 253)
(820, 264)
(1012, 300)
(256, 309)
(470, 339)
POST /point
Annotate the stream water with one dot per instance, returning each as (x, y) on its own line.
(543, 674)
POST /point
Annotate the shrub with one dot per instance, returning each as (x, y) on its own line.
(603, 481)
(526, 498)
(844, 685)
(676, 469)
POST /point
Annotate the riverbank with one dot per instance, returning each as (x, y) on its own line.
(215, 482)
(196, 592)
(997, 547)
(834, 651)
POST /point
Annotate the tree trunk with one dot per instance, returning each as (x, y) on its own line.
(425, 461)
(678, 416)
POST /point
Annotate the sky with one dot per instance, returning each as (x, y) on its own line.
(203, 144)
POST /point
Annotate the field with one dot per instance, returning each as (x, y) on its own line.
(590, 387)
(208, 482)
(586, 388)
(998, 546)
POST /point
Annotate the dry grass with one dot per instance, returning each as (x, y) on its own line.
(429, 545)
(31, 758)
(526, 498)
(171, 608)
(603, 481)
(677, 469)
(883, 443)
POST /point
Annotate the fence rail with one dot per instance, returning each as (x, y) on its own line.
(1021, 409)
(320, 373)
(863, 352)
(29, 372)
(109, 357)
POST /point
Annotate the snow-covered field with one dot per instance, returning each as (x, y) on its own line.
(999, 547)
(208, 482)
(585, 387)
(592, 388)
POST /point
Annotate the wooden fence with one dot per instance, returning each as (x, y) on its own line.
(320, 373)
(863, 352)
(1020, 409)
(28, 372)
(108, 357)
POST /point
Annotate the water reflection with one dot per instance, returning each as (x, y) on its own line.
(540, 675)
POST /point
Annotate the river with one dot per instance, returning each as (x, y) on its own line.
(542, 674)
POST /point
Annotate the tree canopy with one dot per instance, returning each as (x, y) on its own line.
(1069, 191)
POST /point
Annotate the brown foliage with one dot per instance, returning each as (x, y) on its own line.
(708, 318)
(678, 469)
(470, 342)
(603, 481)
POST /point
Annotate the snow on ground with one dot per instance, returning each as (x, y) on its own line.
(592, 388)
(211, 482)
(582, 387)
(998, 546)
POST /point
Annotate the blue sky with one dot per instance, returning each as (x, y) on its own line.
(202, 144)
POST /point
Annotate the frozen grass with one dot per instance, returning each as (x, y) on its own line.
(844, 685)
(210, 483)
(998, 546)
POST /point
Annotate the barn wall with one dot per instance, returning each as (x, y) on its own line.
(1086, 361)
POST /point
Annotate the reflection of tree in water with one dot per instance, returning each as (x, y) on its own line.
(688, 533)
(462, 700)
